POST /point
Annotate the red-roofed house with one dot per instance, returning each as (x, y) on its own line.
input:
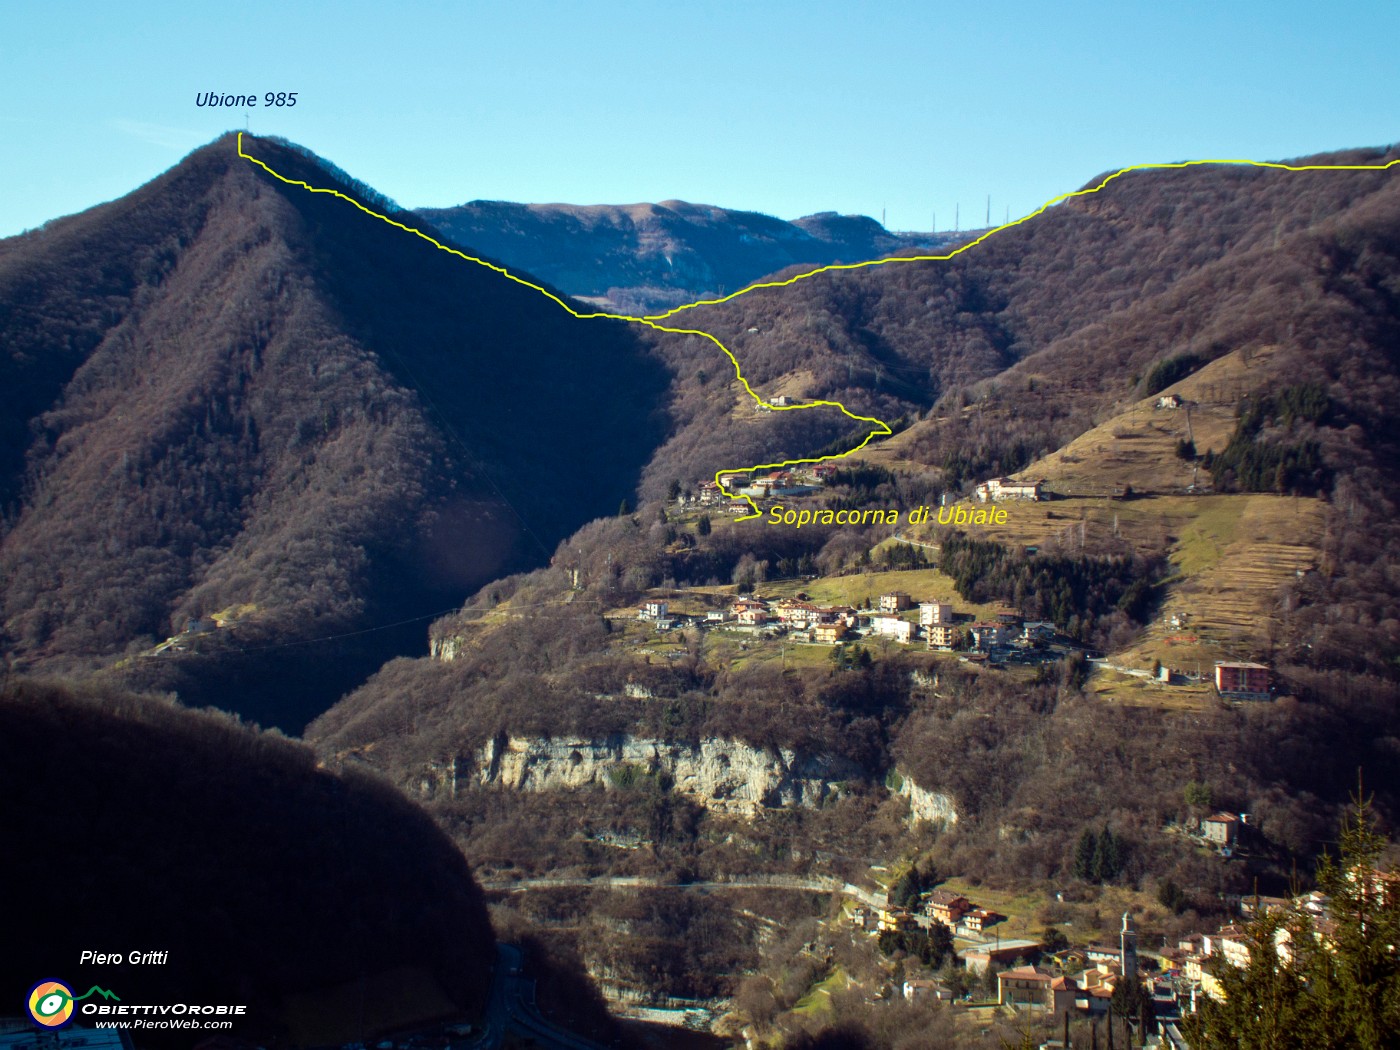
(1032, 986)
(947, 907)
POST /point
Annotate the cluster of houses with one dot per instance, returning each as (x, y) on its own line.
(797, 480)
(1082, 980)
(1076, 980)
(953, 910)
(1196, 960)
(833, 624)
(804, 479)
(1079, 980)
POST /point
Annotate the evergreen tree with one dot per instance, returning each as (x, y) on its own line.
(1130, 999)
(1084, 851)
(1360, 976)
(1261, 1007)
(703, 526)
(1172, 896)
(1197, 795)
(1334, 986)
(1107, 859)
(905, 891)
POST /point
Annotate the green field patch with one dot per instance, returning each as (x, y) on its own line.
(818, 998)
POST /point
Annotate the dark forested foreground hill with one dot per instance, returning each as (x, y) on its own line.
(233, 402)
(329, 906)
(641, 258)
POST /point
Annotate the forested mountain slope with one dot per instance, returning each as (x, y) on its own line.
(233, 401)
(1287, 281)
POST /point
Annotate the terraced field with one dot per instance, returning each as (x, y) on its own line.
(1231, 563)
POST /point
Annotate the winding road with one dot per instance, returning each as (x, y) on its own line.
(511, 1008)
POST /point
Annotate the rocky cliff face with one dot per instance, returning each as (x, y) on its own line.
(932, 806)
(726, 775)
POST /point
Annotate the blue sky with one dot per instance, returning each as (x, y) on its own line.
(786, 108)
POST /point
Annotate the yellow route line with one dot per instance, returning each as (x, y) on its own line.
(1017, 222)
(880, 428)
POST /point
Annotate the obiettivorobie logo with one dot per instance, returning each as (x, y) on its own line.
(51, 1002)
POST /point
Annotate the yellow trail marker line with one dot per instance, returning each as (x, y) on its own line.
(880, 427)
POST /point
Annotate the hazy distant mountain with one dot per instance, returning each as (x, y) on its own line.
(645, 257)
(230, 401)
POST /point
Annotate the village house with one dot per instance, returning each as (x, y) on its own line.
(1095, 992)
(947, 907)
(1190, 944)
(979, 920)
(920, 988)
(978, 960)
(738, 506)
(795, 613)
(1009, 488)
(895, 602)
(1170, 401)
(1104, 955)
(1070, 959)
(1315, 903)
(1242, 681)
(934, 613)
(709, 493)
(894, 919)
(1038, 632)
(987, 635)
(1231, 946)
(941, 636)
(750, 611)
(1034, 987)
(824, 472)
(828, 633)
(718, 616)
(1221, 828)
(892, 627)
(653, 610)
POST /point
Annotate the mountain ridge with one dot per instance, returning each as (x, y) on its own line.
(279, 408)
(638, 258)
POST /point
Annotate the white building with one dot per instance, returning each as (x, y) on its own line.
(892, 627)
(931, 613)
(1009, 488)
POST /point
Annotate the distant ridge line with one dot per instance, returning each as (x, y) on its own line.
(880, 427)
